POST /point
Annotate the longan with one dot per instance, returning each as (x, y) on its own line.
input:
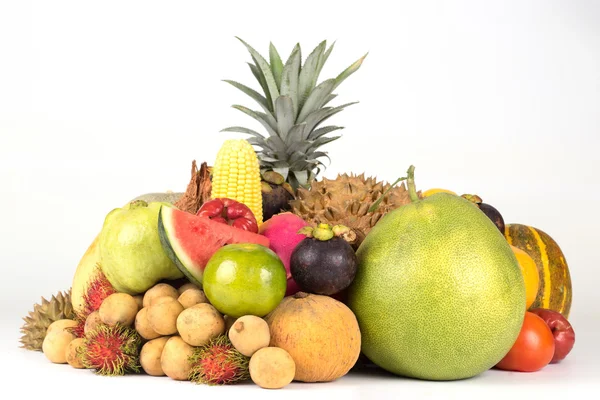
(159, 290)
(163, 317)
(191, 297)
(272, 368)
(150, 356)
(249, 334)
(118, 308)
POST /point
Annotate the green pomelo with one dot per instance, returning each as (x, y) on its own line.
(165, 197)
(438, 293)
(131, 254)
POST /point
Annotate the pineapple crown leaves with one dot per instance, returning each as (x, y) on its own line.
(293, 108)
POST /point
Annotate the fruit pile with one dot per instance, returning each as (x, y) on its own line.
(260, 271)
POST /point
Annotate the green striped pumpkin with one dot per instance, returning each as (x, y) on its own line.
(555, 292)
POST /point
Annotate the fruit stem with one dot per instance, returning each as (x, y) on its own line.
(300, 295)
(137, 204)
(412, 190)
(376, 204)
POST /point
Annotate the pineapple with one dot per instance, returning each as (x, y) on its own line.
(294, 107)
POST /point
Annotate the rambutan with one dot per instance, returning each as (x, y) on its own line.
(79, 329)
(98, 289)
(111, 350)
(218, 363)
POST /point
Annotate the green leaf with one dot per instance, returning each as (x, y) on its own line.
(282, 169)
(323, 59)
(269, 123)
(314, 164)
(255, 141)
(318, 117)
(317, 133)
(300, 162)
(295, 133)
(241, 129)
(295, 157)
(289, 80)
(263, 84)
(309, 73)
(311, 146)
(279, 147)
(315, 98)
(284, 113)
(321, 142)
(301, 177)
(349, 71)
(294, 146)
(376, 204)
(276, 64)
(328, 99)
(264, 67)
(259, 98)
(266, 158)
(319, 154)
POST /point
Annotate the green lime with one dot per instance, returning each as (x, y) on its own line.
(245, 279)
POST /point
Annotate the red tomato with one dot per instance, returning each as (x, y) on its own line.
(533, 349)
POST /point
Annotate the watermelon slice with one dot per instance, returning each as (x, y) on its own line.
(190, 240)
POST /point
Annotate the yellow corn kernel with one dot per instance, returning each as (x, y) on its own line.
(236, 175)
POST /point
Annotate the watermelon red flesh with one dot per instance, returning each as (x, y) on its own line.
(190, 240)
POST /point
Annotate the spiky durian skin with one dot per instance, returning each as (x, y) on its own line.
(45, 313)
(346, 201)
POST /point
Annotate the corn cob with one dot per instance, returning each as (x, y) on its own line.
(236, 175)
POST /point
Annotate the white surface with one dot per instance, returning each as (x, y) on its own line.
(102, 101)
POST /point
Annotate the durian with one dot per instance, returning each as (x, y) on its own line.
(43, 314)
(346, 201)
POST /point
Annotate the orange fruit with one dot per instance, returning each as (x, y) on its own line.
(530, 274)
(244, 279)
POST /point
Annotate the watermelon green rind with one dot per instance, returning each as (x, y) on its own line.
(190, 241)
(173, 249)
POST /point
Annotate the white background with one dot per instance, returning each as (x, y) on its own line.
(102, 101)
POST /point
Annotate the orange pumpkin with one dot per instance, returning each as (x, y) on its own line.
(555, 292)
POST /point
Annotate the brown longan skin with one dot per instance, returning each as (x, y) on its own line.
(174, 359)
(249, 334)
(272, 368)
(163, 317)
(191, 297)
(229, 321)
(91, 322)
(200, 323)
(60, 325)
(55, 345)
(139, 299)
(150, 356)
(161, 299)
(159, 290)
(186, 286)
(118, 308)
(142, 325)
(71, 353)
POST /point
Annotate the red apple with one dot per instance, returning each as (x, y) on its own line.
(564, 335)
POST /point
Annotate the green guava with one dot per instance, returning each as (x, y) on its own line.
(131, 255)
